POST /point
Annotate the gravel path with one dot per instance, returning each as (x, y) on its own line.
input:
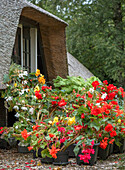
(12, 160)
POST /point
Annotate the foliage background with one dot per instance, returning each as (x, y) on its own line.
(95, 35)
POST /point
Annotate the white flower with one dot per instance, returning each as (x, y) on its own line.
(91, 90)
(17, 115)
(20, 75)
(104, 95)
(25, 73)
(23, 101)
(26, 90)
(24, 82)
(9, 98)
(98, 104)
(22, 92)
(34, 97)
(16, 127)
(16, 107)
(31, 111)
(24, 108)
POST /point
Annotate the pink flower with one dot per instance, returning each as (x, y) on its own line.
(62, 140)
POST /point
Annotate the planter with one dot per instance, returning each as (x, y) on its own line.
(62, 158)
(38, 155)
(47, 160)
(23, 149)
(12, 141)
(120, 149)
(4, 144)
(71, 152)
(103, 153)
(110, 149)
(93, 159)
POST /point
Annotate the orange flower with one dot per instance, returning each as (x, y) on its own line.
(24, 134)
(53, 151)
(37, 72)
(41, 79)
(30, 148)
(111, 141)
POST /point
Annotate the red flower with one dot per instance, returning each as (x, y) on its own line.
(82, 116)
(89, 94)
(54, 102)
(30, 148)
(51, 135)
(53, 151)
(62, 103)
(35, 127)
(62, 140)
(108, 128)
(39, 141)
(113, 133)
(79, 127)
(46, 87)
(95, 84)
(95, 111)
(105, 82)
(103, 144)
(24, 134)
(111, 141)
(38, 95)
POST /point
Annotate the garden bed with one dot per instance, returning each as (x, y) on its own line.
(11, 159)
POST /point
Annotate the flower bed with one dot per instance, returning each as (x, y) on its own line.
(53, 119)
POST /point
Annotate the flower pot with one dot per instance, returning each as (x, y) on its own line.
(71, 152)
(120, 149)
(47, 160)
(4, 144)
(93, 159)
(62, 158)
(23, 149)
(38, 154)
(110, 149)
(12, 141)
(103, 153)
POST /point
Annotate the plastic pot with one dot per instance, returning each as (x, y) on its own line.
(93, 159)
(120, 149)
(23, 149)
(4, 144)
(71, 152)
(103, 153)
(62, 158)
(12, 141)
(110, 149)
(47, 160)
(37, 155)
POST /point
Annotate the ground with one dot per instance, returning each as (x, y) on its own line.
(12, 160)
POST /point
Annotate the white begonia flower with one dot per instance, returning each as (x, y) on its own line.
(31, 111)
(22, 92)
(26, 90)
(25, 73)
(104, 96)
(16, 107)
(20, 75)
(9, 98)
(98, 104)
(17, 115)
(7, 85)
(91, 90)
(24, 82)
(34, 97)
(23, 101)
(24, 108)
(16, 127)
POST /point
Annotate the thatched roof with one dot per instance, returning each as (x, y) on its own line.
(75, 68)
(10, 12)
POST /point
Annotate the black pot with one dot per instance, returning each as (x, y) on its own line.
(110, 149)
(62, 158)
(12, 141)
(38, 154)
(93, 159)
(71, 152)
(103, 153)
(23, 149)
(120, 149)
(47, 160)
(4, 144)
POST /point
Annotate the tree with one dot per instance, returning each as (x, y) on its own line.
(95, 34)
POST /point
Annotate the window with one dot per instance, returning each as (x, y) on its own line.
(25, 48)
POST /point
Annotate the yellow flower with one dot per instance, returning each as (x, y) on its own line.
(41, 79)
(36, 88)
(15, 84)
(55, 120)
(119, 121)
(37, 72)
(71, 120)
